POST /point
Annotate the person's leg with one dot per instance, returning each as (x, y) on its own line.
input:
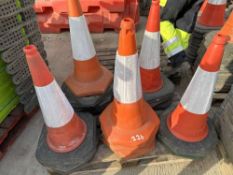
(171, 9)
(186, 23)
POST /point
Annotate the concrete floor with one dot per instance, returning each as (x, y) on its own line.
(20, 159)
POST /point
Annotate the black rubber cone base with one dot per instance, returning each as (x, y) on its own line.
(197, 35)
(193, 150)
(162, 98)
(204, 29)
(94, 104)
(66, 163)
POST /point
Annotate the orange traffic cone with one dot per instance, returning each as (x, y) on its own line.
(186, 130)
(227, 29)
(90, 79)
(158, 90)
(202, 7)
(66, 131)
(129, 124)
(212, 15)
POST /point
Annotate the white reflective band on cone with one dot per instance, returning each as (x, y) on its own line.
(150, 51)
(174, 51)
(217, 2)
(82, 45)
(198, 96)
(127, 80)
(55, 107)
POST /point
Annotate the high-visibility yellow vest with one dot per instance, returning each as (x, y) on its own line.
(174, 40)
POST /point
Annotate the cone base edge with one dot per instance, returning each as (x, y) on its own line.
(205, 29)
(58, 162)
(107, 126)
(94, 104)
(194, 150)
(162, 98)
(96, 87)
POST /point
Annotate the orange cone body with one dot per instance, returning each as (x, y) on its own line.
(150, 52)
(227, 29)
(212, 14)
(89, 77)
(65, 130)
(188, 121)
(202, 7)
(129, 124)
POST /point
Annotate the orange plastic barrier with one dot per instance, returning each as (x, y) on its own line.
(52, 15)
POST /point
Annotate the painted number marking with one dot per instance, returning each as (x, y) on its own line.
(137, 137)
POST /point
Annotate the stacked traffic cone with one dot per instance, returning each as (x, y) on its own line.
(227, 29)
(129, 124)
(66, 138)
(212, 15)
(187, 130)
(89, 86)
(158, 90)
(196, 37)
(202, 8)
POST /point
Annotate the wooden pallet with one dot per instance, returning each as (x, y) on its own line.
(11, 127)
(107, 57)
(161, 161)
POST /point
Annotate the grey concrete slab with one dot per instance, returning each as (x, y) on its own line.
(20, 158)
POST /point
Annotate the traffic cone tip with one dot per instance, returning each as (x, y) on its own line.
(221, 38)
(227, 28)
(30, 49)
(127, 38)
(153, 20)
(127, 24)
(74, 8)
(212, 59)
(156, 2)
(40, 73)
